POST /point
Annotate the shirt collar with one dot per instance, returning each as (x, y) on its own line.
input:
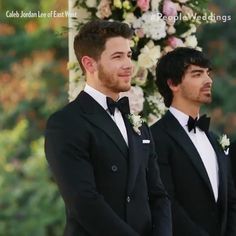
(180, 116)
(97, 96)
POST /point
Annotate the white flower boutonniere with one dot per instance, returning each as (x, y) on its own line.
(224, 142)
(136, 121)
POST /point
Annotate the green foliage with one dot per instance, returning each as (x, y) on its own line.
(24, 44)
(33, 85)
(218, 42)
(10, 139)
(31, 206)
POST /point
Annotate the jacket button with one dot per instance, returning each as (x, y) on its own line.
(114, 168)
(128, 199)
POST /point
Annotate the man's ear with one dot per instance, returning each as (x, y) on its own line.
(90, 65)
(172, 86)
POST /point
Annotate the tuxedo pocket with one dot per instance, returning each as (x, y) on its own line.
(146, 141)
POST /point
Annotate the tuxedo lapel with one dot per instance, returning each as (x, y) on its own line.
(176, 131)
(221, 164)
(135, 153)
(96, 115)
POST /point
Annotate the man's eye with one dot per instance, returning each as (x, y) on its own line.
(196, 75)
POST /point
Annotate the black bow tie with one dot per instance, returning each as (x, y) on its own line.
(202, 123)
(122, 104)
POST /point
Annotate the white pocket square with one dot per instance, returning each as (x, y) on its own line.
(146, 141)
(226, 152)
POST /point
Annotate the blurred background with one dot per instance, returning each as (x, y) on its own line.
(34, 83)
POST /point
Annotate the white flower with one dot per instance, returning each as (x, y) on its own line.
(72, 65)
(153, 26)
(104, 9)
(192, 30)
(129, 18)
(149, 55)
(167, 49)
(140, 76)
(83, 15)
(117, 4)
(155, 4)
(171, 29)
(199, 49)
(224, 141)
(191, 41)
(187, 11)
(91, 3)
(157, 105)
(126, 5)
(136, 121)
(182, 1)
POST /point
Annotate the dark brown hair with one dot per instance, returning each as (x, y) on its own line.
(173, 66)
(92, 37)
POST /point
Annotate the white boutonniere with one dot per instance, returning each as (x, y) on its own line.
(136, 121)
(224, 142)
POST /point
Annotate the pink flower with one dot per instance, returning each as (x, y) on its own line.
(104, 9)
(170, 8)
(136, 99)
(175, 42)
(143, 4)
(140, 33)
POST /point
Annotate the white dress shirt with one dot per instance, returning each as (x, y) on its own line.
(117, 117)
(204, 148)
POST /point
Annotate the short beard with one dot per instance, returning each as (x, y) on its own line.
(105, 79)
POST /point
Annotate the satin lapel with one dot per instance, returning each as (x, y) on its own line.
(177, 132)
(135, 154)
(96, 115)
(222, 164)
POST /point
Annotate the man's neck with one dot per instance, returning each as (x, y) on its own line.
(104, 91)
(190, 110)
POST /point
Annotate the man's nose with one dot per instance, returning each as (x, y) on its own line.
(128, 63)
(208, 78)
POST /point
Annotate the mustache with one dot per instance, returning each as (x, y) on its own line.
(206, 86)
(126, 73)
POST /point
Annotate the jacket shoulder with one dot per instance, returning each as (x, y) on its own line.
(159, 125)
(66, 116)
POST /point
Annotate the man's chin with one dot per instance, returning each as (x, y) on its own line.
(125, 88)
(208, 100)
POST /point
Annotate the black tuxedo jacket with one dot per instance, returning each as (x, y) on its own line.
(232, 154)
(194, 210)
(108, 188)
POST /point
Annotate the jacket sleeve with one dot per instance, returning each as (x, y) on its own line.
(232, 155)
(67, 152)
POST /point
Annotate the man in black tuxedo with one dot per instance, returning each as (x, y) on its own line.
(192, 163)
(104, 165)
